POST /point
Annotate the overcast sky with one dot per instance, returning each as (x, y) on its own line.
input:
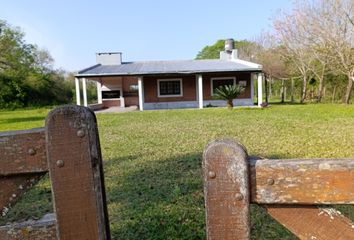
(74, 30)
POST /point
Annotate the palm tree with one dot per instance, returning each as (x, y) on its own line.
(229, 93)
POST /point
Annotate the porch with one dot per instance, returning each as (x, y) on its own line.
(168, 91)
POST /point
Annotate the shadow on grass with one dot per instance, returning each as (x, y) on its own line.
(286, 103)
(164, 200)
(21, 119)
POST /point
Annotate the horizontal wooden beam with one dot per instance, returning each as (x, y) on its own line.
(302, 181)
(311, 222)
(42, 229)
(22, 152)
(13, 187)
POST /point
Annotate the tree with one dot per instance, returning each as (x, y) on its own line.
(288, 31)
(319, 37)
(27, 76)
(213, 52)
(16, 61)
(333, 25)
(229, 93)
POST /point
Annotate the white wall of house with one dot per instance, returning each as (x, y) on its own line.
(195, 104)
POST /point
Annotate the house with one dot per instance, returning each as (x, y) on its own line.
(169, 84)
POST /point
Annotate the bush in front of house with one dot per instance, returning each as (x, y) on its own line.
(229, 93)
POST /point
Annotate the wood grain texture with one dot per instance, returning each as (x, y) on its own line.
(22, 152)
(302, 181)
(313, 223)
(226, 190)
(75, 167)
(13, 187)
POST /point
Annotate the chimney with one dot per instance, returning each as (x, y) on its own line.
(109, 58)
(229, 45)
(230, 52)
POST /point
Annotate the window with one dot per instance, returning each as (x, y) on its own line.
(133, 88)
(242, 83)
(169, 87)
(218, 82)
(110, 94)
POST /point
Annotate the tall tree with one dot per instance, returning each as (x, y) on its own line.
(333, 21)
(319, 37)
(27, 76)
(288, 28)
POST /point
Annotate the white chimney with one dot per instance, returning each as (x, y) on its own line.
(109, 58)
(230, 52)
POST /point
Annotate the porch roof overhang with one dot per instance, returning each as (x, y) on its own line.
(170, 67)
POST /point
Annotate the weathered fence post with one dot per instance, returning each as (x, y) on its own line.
(226, 190)
(75, 167)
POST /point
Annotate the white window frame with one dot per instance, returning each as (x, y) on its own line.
(169, 80)
(219, 78)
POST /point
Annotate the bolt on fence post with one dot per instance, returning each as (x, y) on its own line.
(76, 174)
(226, 190)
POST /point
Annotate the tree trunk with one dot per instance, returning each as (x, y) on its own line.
(292, 90)
(266, 89)
(304, 89)
(334, 94)
(320, 89)
(282, 92)
(230, 104)
(270, 88)
(349, 87)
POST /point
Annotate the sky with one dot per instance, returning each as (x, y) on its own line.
(74, 30)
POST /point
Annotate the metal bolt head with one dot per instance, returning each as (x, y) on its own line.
(211, 174)
(270, 181)
(238, 196)
(80, 133)
(31, 151)
(60, 163)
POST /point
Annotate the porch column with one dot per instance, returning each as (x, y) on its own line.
(260, 88)
(253, 78)
(200, 90)
(141, 93)
(77, 88)
(99, 92)
(84, 92)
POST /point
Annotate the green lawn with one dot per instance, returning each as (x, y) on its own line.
(153, 161)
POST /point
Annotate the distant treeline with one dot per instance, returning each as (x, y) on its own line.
(308, 56)
(27, 76)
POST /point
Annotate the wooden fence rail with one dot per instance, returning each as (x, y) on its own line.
(289, 189)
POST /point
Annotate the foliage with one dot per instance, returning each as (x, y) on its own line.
(318, 36)
(314, 40)
(27, 77)
(213, 51)
(229, 93)
(152, 161)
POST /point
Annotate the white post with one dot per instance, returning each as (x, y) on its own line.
(84, 92)
(200, 90)
(253, 78)
(99, 92)
(77, 88)
(260, 88)
(141, 93)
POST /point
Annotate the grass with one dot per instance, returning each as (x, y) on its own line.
(153, 161)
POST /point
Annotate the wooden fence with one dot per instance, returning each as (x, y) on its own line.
(69, 149)
(289, 189)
